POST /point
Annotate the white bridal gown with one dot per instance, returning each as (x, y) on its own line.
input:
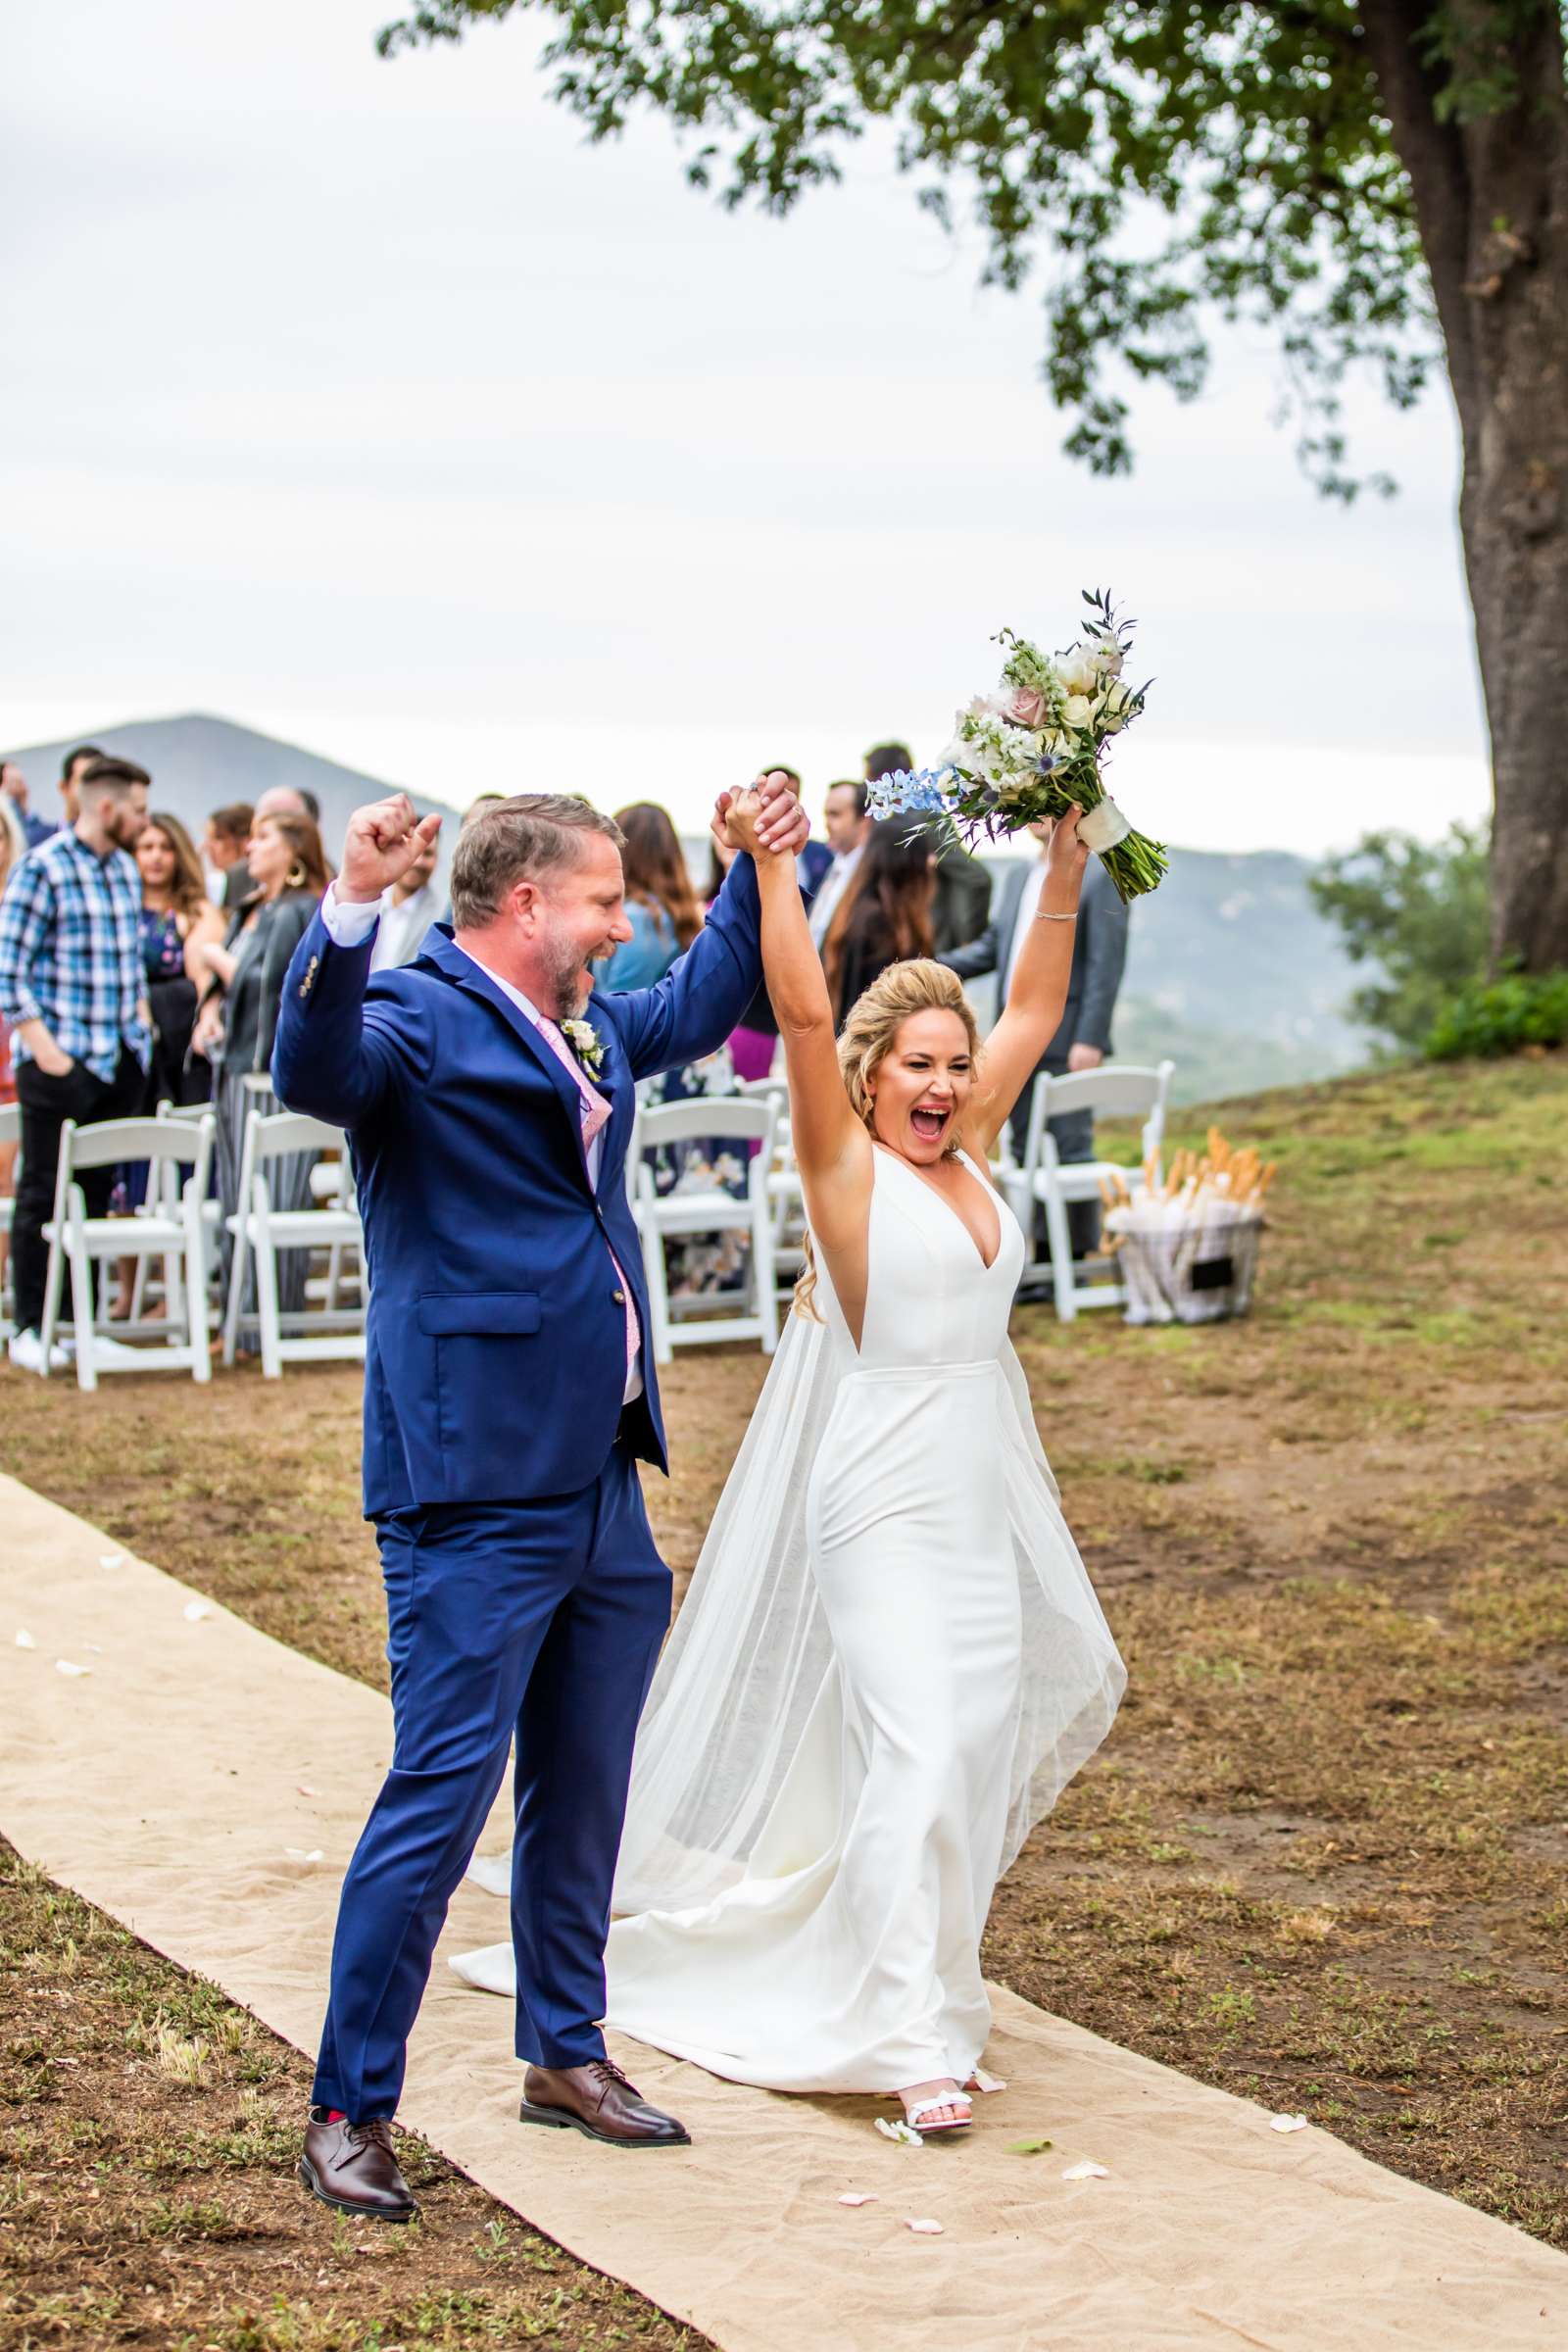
(889, 1663)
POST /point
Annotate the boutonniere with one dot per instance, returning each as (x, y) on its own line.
(586, 1043)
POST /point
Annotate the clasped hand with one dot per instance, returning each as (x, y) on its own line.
(765, 816)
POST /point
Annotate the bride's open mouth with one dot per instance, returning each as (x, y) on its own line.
(928, 1124)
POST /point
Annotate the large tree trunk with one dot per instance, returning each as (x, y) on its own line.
(1491, 201)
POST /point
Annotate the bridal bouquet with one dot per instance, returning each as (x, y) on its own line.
(1034, 748)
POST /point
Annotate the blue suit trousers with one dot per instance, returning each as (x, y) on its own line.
(539, 1621)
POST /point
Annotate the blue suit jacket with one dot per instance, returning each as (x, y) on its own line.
(495, 1349)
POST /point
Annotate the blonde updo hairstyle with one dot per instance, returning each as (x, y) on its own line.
(868, 1036)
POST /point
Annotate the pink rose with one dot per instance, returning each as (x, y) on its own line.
(1027, 707)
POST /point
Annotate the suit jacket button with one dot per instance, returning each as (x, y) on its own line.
(619, 1298)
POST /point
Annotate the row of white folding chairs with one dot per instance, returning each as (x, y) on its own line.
(260, 1230)
(177, 1227)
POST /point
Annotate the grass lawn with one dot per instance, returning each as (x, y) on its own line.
(1322, 1861)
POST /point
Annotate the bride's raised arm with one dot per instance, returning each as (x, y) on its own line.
(1037, 991)
(831, 1146)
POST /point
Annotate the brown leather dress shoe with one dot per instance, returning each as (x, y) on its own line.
(352, 2168)
(597, 2100)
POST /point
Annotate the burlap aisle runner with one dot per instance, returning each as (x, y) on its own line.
(183, 1785)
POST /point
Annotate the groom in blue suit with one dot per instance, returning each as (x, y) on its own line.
(488, 1095)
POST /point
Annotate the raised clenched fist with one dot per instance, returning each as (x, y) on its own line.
(382, 842)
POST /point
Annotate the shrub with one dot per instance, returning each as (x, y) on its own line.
(1501, 1017)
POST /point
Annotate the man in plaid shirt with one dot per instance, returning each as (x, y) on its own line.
(73, 991)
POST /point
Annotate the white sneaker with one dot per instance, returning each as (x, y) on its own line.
(27, 1354)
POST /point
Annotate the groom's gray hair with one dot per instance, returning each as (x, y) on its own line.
(526, 838)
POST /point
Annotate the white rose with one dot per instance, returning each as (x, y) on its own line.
(1077, 711)
(1079, 674)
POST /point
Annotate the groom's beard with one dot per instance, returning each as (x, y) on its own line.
(568, 992)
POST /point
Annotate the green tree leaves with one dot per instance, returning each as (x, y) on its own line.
(1156, 167)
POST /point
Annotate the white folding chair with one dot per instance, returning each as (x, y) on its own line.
(170, 1227)
(10, 1133)
(710, 1210)
(261, 1231)
(1045, 1180)
(786, 1201)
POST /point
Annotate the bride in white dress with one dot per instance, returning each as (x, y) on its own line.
(890, 1660)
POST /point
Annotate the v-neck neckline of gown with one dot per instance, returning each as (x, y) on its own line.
(988, 1265)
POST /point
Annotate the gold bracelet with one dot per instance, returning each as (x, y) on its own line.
(1046, 917)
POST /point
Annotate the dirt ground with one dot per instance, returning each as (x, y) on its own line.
(1322, 1860)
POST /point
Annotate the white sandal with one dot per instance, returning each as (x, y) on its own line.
(945, 2098)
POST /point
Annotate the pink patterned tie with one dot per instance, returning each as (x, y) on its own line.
(595, 1116)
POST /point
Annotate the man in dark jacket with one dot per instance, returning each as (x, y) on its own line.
(1083, 1041)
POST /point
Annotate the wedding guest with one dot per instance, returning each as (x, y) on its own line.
(290, 799)
(72, 988)
(238, 1018)
(1082, 1040)
(477, 806)
(12, 849)
(229, 829)
(847, 822)
(177, 920)
(884, 917)
(962, 898)
(661, 904)
(408, 911)
(38, 829)
(14, 792)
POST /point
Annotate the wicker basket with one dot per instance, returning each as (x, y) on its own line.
(1196, 1269)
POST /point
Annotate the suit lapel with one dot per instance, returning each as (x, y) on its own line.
(471, 978)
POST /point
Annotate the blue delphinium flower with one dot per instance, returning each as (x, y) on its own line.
(905, 790)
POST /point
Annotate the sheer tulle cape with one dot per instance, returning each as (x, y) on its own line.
(750, 1654)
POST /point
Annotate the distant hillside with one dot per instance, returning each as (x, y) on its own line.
(198, 762)
(1230, 970)
(1234, 975)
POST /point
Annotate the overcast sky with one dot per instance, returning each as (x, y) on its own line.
(363, 402)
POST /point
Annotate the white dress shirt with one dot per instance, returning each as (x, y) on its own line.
(835, 882)
(351, 925)
(403, 925)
